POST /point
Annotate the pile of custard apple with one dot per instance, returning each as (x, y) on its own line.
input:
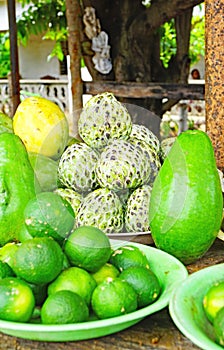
(108, 176)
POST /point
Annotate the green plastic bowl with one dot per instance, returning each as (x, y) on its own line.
(186, 308)
(170, 272)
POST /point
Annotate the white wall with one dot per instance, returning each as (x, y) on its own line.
(33, 62)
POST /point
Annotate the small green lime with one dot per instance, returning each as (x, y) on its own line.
(64, 307)
(7, 253)
(112, 298)
(38, 260)
(76, 280)
(16, 300)
(144, 282)
(107, 271)
(213, 300)
(87, 247)
(127, 256)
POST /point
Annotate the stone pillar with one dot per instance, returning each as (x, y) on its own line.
(214, 76)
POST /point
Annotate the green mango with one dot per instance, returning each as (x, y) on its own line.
(45, 170)
(18, 185)
(5, 123)
(186, 204)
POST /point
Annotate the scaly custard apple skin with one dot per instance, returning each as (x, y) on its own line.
(76, 169)
(152, 158)
(101, 208)
(165, 146)
(122, 165)
(141, 132)
(137, 210)
(102, 119)
(73, 197)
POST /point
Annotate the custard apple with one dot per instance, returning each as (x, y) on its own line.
(76, 169)
(141, 132)
(73, 197)
(122, 165)
(101, 208)
(103, 118)
(137, 210)
(152, 158)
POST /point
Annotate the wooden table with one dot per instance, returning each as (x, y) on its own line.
(155, 332)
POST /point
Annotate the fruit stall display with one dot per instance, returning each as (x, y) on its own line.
(59, 193)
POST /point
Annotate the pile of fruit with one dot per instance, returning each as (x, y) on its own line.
(79, 279)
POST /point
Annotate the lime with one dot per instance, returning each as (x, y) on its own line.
(219, 326)
(24, 234)
(5, 270)
(127, 256)
(64, 307)
(76, 280)
(39, 292)
(38, 260)
(48, 214)
(112, 298)
(107, 271)
(213, 300)
(7, 253)
(88, 247)
(16, 300)
(144, 282)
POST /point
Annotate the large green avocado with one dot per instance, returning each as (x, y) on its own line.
(185, 211)
(17, 185)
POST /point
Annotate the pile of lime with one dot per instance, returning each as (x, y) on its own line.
(44, 280)
(213, 304)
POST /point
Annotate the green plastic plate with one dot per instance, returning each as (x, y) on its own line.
(170, 272)
(186, 307)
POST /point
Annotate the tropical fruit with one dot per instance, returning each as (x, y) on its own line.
(48, 214)
(122, 165)
(76, 169)
(16, 300)
(38, 260)
(76, 280)
(104, 118)
(144, 282)
(213, 300)
(17, 185)
(106, 272)
(87, 247)
(141, 132)
(127, 256)
(64, 307)
(42, 126)
(103, 209)
(73, 197)
(112, 298)
(137, 210)
(186, 203)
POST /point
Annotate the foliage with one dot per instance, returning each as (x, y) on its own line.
(4, 55)
(197, 40)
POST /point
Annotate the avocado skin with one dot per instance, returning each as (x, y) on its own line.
(185, 211)
(17, 185)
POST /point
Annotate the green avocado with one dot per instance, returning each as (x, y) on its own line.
(185, 210)
(17, 185)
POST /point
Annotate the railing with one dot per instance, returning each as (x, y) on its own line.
(54, 90)
(190, 109)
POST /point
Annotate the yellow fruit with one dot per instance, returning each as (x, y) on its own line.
(16, 300)
(213, 300)
(42, 126)
(64, 307)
